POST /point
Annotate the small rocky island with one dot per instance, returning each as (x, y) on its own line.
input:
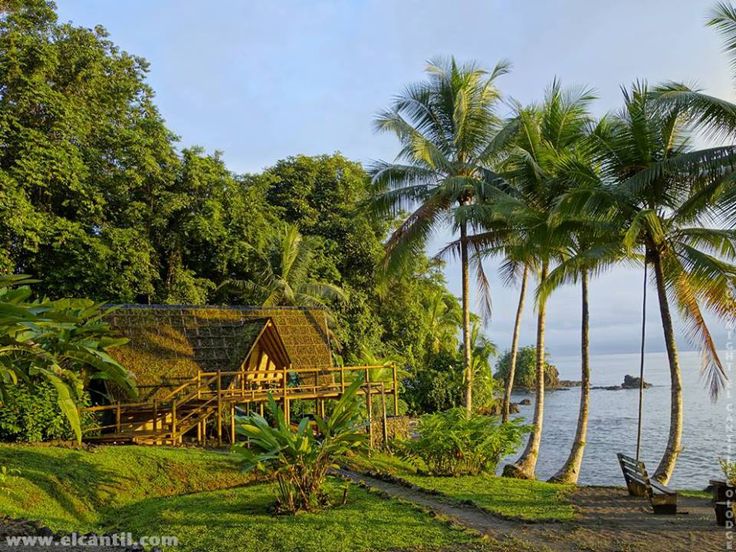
(630, 382)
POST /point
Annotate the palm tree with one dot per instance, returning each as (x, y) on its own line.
(285, 278)
(449, 133)
(443, 319)
(666, 196)
(589, 253)
(541, 168)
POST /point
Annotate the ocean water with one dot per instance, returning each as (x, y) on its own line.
(613, 420)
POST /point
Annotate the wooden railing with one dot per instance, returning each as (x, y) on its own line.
(206, 388)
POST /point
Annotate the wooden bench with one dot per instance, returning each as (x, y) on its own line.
(662, 498)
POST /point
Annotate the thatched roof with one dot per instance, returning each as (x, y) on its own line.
(170, 343)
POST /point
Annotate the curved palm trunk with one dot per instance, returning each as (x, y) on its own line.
(514, 348)
(570, 471)
(525, 467)
(667, 463)
(467, 364)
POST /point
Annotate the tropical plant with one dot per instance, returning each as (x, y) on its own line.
(299, 459)
(64, 342)
(450, 134)
(30, 413)
(457, 443)
(286, 278)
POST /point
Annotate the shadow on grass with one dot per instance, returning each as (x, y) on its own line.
(77, 485)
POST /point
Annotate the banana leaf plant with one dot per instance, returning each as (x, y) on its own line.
(299, 459)
(65, 342)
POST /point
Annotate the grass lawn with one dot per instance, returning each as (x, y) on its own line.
(514, 498)
(239, 519)
(74, 490)
(204, 500)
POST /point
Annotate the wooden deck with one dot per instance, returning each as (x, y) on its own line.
(214, 396)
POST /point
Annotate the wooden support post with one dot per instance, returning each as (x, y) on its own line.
(342, 379)
(261, 409)
(219, 409)
(369, 407)
(199, 384)
(396, 390)
(155, 414)
(232, 424)
(284, 396)
(199, 432)
(383, 415)
(117, 418)
(173, 423)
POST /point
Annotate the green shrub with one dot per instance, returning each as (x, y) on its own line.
(31, 414)
(525, 376)
(456, 443)
(299, 459)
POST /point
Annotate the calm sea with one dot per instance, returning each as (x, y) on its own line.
(613, 417)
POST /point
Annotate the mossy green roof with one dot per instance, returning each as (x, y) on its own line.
(168, 344)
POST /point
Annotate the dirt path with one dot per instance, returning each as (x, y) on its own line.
(608, 521)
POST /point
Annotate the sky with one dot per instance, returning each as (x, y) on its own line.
(261, 80)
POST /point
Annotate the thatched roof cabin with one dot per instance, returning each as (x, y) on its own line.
(169, 344)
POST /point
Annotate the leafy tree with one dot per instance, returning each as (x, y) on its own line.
(526, 369)
(449, 134)
(84, 152)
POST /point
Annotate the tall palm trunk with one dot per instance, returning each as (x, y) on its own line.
(667, 463)
(570, 471)
(514, 348)
(467, 363)
(525, 467)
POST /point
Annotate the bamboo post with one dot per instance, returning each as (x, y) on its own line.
(287, 413)
(155, 414)
(342, 379)
(396, 389)
(173, 423)
(232, 424)
(219, 409)
(199, 432)
(383, 415)
(117, 418)
(369, 407)
(260, 409)
(199, 384)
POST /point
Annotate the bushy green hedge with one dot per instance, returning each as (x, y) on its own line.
(31, 414)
